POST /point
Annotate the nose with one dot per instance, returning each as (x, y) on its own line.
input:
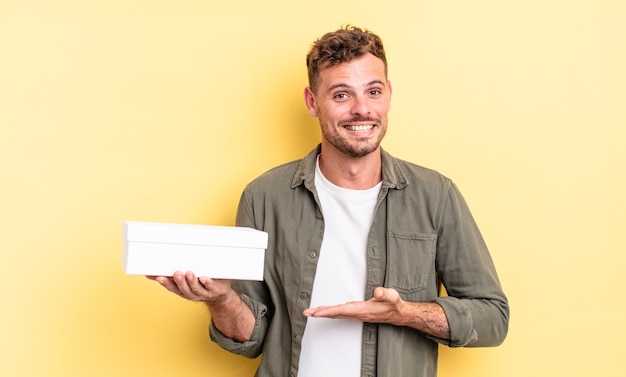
(360, 106)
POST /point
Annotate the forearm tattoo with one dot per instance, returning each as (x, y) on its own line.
(432, 322)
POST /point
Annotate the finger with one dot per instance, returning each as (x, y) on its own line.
(169, 284)
(320, 311)
(208, 283)
(313, 312)
(335, 311)
(195, 285)
(183, 281)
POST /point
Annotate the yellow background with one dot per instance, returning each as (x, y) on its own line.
(163, 110)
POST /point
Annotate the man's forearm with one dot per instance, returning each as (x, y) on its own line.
(426, 317)
(232, 317)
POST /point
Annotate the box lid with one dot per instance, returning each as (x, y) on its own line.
(192, 234)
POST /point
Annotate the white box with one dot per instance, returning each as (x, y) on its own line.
(221, 252)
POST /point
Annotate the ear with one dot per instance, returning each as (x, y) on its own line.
(309, 100)
(390, 91)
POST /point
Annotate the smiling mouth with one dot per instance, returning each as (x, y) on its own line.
(360, 128)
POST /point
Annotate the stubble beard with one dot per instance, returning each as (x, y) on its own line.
(355, 149)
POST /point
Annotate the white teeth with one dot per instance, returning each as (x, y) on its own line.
(360, 128)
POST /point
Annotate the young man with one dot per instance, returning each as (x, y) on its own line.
(359, 244)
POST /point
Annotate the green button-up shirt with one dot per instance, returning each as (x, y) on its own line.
(423, 236)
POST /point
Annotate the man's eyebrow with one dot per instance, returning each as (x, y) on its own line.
(376, 82)
(344, 85)
(339, 85)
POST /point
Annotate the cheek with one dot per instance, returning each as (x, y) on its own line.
(382, 110)
(326, 115)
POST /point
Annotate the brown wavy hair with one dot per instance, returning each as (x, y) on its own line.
(341, 46)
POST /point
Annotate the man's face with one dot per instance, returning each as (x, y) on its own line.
(351, 103)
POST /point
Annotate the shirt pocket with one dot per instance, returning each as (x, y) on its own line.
(410, 261)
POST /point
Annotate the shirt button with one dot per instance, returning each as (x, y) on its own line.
(303, 295)
(312, 254)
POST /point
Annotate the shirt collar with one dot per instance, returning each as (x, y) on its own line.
(393, 176)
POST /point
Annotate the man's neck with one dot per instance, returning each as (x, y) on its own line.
(356, 173)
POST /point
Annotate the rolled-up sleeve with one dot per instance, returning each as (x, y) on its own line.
(253, 347)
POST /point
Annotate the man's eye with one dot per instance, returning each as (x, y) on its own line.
(375, 92)
(341, 96)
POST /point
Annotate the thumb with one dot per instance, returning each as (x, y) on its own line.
(380, 293)
(386, 294)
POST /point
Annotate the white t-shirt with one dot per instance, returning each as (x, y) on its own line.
(332, 347)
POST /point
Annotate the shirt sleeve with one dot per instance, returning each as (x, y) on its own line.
(475, 305)
(254, 294)
(254, 346)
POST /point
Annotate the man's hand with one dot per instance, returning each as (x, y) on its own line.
(388, 307)
(228, 311)
(188, 286)
(382, 308)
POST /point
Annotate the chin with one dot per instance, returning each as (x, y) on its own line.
(361, 152)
